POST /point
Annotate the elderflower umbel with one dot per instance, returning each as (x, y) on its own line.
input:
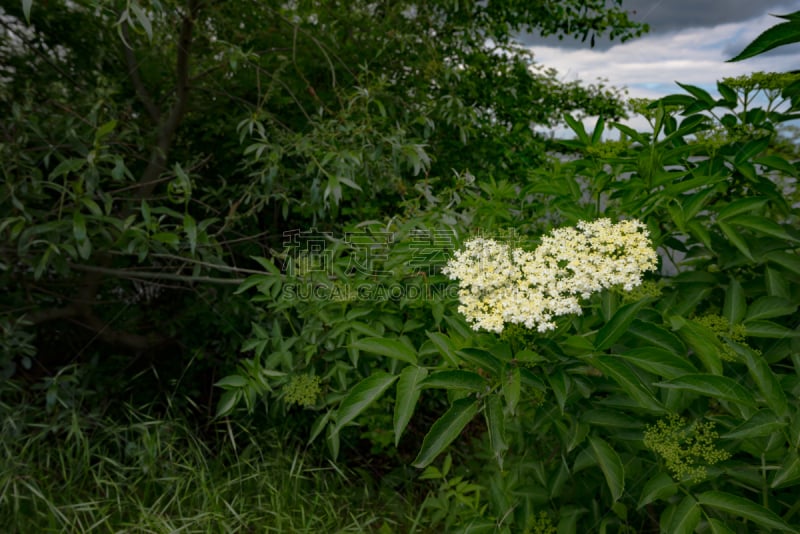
(499, 285)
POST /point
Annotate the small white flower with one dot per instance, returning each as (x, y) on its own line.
(499, 285)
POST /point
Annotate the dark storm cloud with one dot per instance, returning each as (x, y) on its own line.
(665, 16)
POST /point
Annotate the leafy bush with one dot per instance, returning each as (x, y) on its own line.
(671, 407)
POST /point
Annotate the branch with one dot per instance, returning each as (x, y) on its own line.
(168, 127)
(136, 79)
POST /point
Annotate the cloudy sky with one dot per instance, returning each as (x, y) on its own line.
(689, 41)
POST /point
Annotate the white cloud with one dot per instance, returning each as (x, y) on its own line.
(649, 66)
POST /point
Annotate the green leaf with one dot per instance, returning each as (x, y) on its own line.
(512, 386)
(391, 348)
(698, 93)
(560, 383)
(736, 239)
(658, 336)
(104, 130)
(445, 430)
(789, 471)
(319, 425)
(26, 10)
(718, 527)
(168, 238)
(776, 162)
(685, 517)
(144, 20)
(735, 304)
(703, 342)
(763, 423)
(714, 386)
(190, 227)
(577, 127)
(727, 93)
(408, 392)
(231, 381)
(627, 380)
(481, 359)
(769, 307)
(778, 35)
(769, 329)
(445, 346)
(495, 423)
(659, 362)
(660, 487)
(761, 225)
(610, 464)
(741, 205)
(456, 379)
(361, 396)
(78, 226)
(768, 384)
(227, 402)
(618, 325)
(745, 508)
(786, 260)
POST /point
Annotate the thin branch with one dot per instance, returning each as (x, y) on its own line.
(136, 79)
(133, 275)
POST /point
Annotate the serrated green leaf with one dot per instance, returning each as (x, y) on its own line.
(714, 386)
(740, 206)
(445, 430)
(610, 464)
(560, 383)
(769, 307)
(408, 392)
(786, 260)
(658, 336)
(761, 225)
(745, 508)
(789, 471)
(685, 517)
(617, 326)
(627, 380)
(778, 35)
(512, 387)
(769, 329)
(703, 342)
(456, 379)
(445, 346)
(735, 304)
(768, 384)
(227, 402)
(481, 359)
(495, 423)
(718, 527)
(736, 239)
(762, 423)
(659, 487)
(231, 381)
(659, 362)
(391, 348)
(360, 397)
(698, 93)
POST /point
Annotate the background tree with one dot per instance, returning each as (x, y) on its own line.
(151, 148)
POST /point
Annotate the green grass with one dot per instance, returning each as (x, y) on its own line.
(67, 471)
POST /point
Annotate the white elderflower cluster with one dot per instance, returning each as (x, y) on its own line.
(499, 285)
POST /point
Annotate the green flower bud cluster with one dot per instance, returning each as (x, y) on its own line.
(540, 524)
(687, 449)
(723, 329)
(647, 289)
(302, 390)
